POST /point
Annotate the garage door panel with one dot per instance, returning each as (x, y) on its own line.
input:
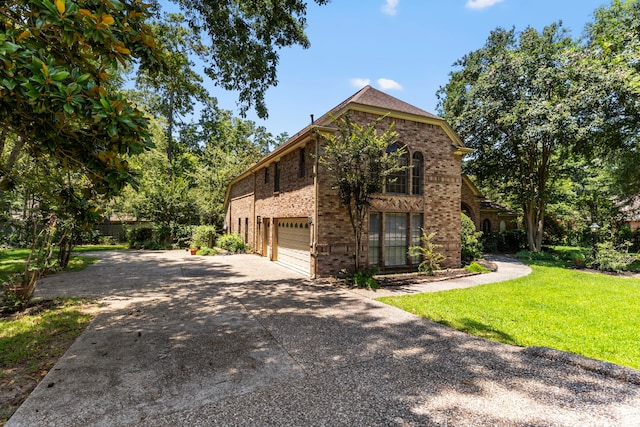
(293, 242)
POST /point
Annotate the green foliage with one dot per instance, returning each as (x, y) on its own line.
(232, 243)
(474, 267)
(471, 248)
(56, 92)
(594, 315)
(364, 279)
(431, 258)
(204, 236)
(245, 40)
(610, 258)
(508, 241)
(207, 251)
(527, 102)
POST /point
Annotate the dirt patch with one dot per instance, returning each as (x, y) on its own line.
(414, 278)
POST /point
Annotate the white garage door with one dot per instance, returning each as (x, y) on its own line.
(293, 243)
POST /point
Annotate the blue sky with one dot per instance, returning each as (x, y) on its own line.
(403, 47)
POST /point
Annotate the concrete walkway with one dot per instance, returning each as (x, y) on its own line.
(508, 268)
(237, 340)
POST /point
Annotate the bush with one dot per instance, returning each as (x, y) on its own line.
(474, 267)
(610, 258)
(203, 236)
(470, 239)
(509, 241)
(364, 279)
(231, 242)
(207, 251)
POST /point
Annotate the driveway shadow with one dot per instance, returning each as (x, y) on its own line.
(241, 341)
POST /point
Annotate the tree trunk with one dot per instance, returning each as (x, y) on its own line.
(534, 223)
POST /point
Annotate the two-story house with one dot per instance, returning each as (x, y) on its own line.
(285, 208)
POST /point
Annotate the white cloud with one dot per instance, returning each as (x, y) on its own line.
(359, 82)
(481, 4)
(390, 7)
(387, 84)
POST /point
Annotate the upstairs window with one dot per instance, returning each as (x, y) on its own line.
(276, 177)
(398, 183)
(302, 163)
(416, 174)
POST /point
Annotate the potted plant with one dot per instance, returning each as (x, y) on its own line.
(578, 259)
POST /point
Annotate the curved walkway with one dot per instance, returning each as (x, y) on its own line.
(240, 341)
(508, 268)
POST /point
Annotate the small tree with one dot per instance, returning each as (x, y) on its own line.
(359, 159)
(431, 258)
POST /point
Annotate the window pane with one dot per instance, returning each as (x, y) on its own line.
(374, 239)
(416, 233)
(416, 170)
(398, 182)
(395, 239)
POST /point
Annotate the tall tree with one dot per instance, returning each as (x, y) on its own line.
(173, 93)
(359, 159)
(613, 41)
(524, 102)
(244, 37)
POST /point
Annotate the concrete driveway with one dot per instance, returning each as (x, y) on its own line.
(237, 340)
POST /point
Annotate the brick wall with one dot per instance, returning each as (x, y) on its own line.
(439, 203)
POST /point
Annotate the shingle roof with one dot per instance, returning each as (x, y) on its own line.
(371, 97)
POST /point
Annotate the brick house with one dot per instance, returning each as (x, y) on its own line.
(284, 206)
(486, 214)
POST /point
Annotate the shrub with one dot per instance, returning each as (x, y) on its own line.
(231, 243)
(207, 251)
(362, 279)
(203, 236)
(610, 258)
(474, 267)
(431, 258)
(509, 241)
(470, 239)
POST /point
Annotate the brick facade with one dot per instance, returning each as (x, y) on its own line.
(485, 214)
(253, 198)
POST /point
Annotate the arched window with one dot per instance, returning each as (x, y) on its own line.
(416, 174)
(398, 182)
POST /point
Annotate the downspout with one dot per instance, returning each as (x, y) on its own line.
(314, 240)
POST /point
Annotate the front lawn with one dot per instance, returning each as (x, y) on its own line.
(590, 314)
(12, 260)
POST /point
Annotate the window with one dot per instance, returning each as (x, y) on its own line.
(395, 239)
(239, 225)
(486, 226)
(374, 238)
(416, 234)
(276, 177)
(266, 175)
(302, 163)
(416, 174)
(246, 230)
(398, 182)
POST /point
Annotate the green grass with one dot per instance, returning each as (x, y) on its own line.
(32, 341)
(591, 314)
(12, 260)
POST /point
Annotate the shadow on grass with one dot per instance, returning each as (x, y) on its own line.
(473, 327)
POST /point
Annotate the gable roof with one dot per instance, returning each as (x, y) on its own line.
(370, 97)
(367, 99)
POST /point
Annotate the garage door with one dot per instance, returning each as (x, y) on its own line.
(293, 243)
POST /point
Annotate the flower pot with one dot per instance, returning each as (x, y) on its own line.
(193, 251)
